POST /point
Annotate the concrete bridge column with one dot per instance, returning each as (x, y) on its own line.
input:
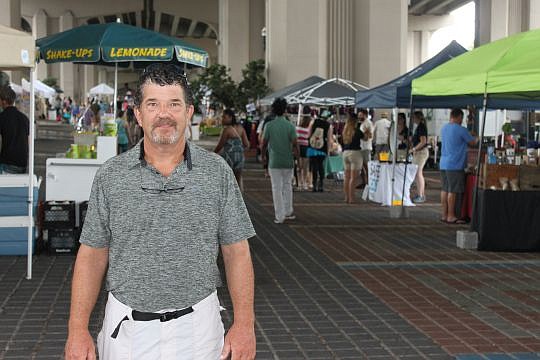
(234, 34)
(39, 30)
(496, 19)
(89, 80)
(67, 70)
(381, 40)
(534, 14)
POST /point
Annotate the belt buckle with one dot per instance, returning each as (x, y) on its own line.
(166, 316)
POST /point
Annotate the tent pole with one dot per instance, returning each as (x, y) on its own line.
(115, 102)
(478, 162)
(409, 134)
(300, 106)
(394, 153)
(31, 175)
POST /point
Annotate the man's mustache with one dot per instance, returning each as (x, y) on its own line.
(162, 122)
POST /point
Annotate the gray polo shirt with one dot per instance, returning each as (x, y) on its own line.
(163, 234)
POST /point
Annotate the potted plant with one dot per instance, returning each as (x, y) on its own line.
(507, 131)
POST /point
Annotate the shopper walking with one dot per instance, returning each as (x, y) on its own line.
(420, 154)
(302, 134)
(366, 144)
(352, 156)
(381, 132)
(231, 144)
(159, 245)
(279, 138)
(121, 132)
(454, 140)
(320, 141)
(14, 131)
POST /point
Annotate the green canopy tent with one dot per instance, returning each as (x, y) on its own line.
(504, 68)
(117, 43)
(505, 71)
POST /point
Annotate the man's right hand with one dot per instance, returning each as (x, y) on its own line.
(80, 346)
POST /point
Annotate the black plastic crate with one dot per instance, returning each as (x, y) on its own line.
(61, 241)
(59, 215)
(83, 207)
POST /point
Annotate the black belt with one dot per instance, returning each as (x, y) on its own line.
(149, 316)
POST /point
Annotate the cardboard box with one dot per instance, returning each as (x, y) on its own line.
(490, 174)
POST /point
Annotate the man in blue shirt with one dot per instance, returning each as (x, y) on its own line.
(455, 139)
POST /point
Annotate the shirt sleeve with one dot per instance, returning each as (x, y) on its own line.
(235, 224)
(293, 132)
(466, 136)
(96, 230)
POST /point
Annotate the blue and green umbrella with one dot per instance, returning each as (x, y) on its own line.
(118, 44)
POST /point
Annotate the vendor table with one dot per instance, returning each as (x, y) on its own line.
(508, 220)
(333, 164)
(70, 179)
(379, 187)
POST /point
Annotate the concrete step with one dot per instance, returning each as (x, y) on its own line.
(54, 131)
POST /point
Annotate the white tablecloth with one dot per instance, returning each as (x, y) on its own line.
(379, 187)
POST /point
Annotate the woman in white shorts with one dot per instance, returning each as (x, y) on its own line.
(420, 154)
(352, 156)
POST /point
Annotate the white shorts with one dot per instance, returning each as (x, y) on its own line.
(197, 335)
(420, 158)
(353, 159)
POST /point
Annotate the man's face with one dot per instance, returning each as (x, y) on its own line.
(163, 113)
(361, 116)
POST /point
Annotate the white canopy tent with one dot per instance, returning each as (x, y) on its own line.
(331, 92)
(40, 88)
(335, 91)
(17, 88)
(17, 52)
(101, 89)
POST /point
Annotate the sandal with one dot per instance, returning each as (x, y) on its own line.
(457, 222)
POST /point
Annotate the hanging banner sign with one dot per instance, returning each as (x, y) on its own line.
(113, 54)
(80, 54)
(191, 57)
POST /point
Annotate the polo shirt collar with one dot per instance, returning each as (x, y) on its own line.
(136, 155)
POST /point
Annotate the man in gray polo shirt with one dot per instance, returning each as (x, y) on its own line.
(157, 216)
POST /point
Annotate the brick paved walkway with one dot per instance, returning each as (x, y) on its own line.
(340, 282)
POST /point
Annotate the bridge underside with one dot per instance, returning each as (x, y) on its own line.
(434, 7)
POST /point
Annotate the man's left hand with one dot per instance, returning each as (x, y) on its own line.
(239, 343)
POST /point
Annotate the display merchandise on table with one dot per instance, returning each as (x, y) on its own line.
(507, 216)
(508, 169)
(379, 187)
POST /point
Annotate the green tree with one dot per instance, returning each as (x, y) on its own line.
(50, 81)
(253, 85)
(217, 80)
(4, 79)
